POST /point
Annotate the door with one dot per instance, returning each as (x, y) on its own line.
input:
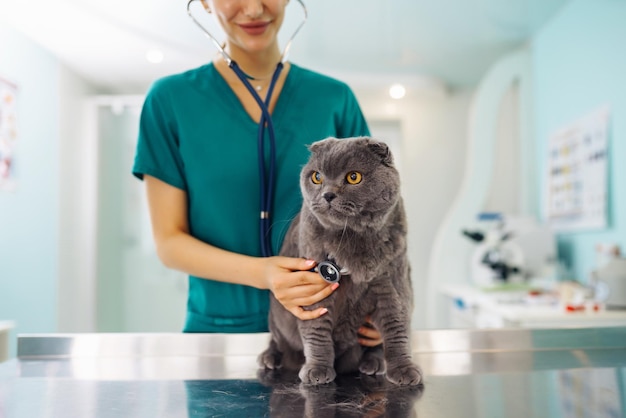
(135, 292)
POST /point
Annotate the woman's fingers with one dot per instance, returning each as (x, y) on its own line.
(294, 264)
(296, 297)
(303, 297)
(295, 286)
(369, 335)
(305, 315)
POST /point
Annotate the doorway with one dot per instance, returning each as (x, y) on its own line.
(135, 292)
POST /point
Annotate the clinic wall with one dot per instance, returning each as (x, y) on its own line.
(28, 216)
(77, 204)
(40, 258)
(436, 144)
(579, 65)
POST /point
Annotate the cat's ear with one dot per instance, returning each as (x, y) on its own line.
(314, 147)
(381, 149)
(318, 145)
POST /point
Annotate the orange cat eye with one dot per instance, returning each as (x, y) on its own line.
(354, 177)
(316, 177)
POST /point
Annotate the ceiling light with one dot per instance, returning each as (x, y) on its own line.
(397, 91)
(154, 56)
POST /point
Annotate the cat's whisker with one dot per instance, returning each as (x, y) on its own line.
(345, 226)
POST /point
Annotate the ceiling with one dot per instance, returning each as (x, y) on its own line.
(452, 42)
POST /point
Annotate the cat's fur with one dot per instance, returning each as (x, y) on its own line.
(362, 227)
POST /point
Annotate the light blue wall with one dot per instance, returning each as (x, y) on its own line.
(29, 216)
(579, 64)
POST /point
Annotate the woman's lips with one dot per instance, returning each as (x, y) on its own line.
(254, 28)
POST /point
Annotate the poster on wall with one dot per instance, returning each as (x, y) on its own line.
(576, 186)
(8, 134)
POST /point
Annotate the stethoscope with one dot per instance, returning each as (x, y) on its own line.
(266, 174)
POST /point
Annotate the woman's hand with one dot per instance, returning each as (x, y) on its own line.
(295, 286)
(369, 335)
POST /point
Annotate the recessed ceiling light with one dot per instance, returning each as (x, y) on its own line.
(154, 56)
(397, 91)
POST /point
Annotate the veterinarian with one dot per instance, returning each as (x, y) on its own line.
(198, 153)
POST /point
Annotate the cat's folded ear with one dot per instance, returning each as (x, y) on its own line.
(381, 149)
(315, 146)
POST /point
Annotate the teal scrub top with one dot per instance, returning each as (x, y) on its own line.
(195, 135)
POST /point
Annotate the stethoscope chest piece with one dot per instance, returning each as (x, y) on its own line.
(329, 271)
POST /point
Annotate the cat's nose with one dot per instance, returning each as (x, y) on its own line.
(329, 196)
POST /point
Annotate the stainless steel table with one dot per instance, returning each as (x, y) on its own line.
(468, 373)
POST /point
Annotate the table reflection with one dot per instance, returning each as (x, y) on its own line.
(281, 395)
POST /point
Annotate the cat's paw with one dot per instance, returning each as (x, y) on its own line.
(317, 375)
(372, 364)
(405, 375)
(270, 359)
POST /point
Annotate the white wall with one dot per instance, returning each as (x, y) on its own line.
(496, 138)
(504, 195)
(77, 190)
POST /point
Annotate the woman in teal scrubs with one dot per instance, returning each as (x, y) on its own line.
(197, 153)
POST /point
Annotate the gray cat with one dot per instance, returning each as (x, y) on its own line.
(352, 215)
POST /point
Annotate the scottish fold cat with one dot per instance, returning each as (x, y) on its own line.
(353, 217)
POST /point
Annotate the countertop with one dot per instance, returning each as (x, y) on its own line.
(513, 308)
(567, 372)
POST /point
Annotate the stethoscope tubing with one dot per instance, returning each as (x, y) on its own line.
(266, 174)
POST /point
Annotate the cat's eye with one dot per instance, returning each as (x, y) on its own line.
(354, 177)
(316, 177)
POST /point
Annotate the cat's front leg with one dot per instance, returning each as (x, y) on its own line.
(396, 336)
(319, 352)
(317, 373)
(404, 373)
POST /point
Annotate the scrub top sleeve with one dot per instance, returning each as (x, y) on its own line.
(354, 123)
(158, 153)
